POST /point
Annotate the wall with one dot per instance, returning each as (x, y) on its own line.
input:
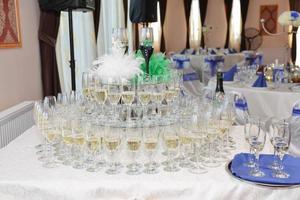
(20, 71)
(175, 27)
(273, 46)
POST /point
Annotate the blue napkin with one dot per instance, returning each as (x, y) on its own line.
(291, 166)
(260, 81)
(229, 75)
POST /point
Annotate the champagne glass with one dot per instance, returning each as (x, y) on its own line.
(225, 124)
(198, 135)
(93, 143)
(250, 163)
(271, 130)
(146, 36)
(78, 143)
(257, 139)
(144, 96)
(67, 138)
(53, 135)
(281, 143)
(185, 142)
(37, 116)
(112, 142)
(50, 103)
(128, 94)
(212, 133)
(119, 40)
(114, 93)
(100, 93)
(133, 141)
(171, 141)
(150, 140)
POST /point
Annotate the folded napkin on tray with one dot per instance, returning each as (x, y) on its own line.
(229, 75)
(260, 81)
(291, 166)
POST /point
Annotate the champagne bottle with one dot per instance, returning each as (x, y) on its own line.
(219, 86)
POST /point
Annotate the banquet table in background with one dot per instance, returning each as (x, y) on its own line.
(23, 177)
(197, 62)
(264, 102)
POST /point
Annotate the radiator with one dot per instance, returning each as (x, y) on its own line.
(14, 121)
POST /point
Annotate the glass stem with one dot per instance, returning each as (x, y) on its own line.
(256, 166)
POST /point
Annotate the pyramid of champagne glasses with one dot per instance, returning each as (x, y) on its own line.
(134, 127)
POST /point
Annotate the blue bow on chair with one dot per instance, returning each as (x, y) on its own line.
(260, 81)
(229, 75)
(296, 112)
(241, 104)
(213, 63)
(180, 62)
(259, 59)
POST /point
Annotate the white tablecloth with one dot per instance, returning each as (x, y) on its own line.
(23, 178)
(265, 102)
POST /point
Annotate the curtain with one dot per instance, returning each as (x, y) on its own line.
(294, 5)
(130, 30)
(203, 8)
(195, 25)
(97, 16)
(126, 11)
(187, 9)
(84, 45)
(244, 10)
(112, 15)
(163, 9)
(48, 30)
(235, 27)
(228, 9)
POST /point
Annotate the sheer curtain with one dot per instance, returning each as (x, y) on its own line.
(112, 15)
(195, 25)
(235, 29)
(157, 30)
(84, 45)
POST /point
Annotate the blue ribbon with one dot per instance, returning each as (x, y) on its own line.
(296, 112)
(241, 105)
(250, 60)
(180, 62)
(190, 77)
(213, 64)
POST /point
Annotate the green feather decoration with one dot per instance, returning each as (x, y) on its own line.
(158, 65)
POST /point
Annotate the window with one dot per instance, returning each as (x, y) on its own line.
(235, 25)
(195, 25)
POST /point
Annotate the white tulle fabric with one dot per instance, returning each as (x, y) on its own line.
(23, 178)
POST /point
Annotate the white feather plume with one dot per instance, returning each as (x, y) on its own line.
(117, 66)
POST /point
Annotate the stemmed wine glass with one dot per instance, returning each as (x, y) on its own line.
(146, 36)
(128, 94)
(67, 138)
(78, 142)
(133, 141)
(100, 94)
(119, 40)
(114, 93)
(144, 95)
(171, 141)
(112, 141)
(281, 143)
(93, 143)
(257, 139)
(150, 140)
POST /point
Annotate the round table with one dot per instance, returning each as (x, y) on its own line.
(264, 102)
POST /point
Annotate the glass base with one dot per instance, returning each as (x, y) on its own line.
(249, 164)
(155, 164)
(67, 162)
(93, 169)
(39, 146)
(275, 166)
(257, 173)
(280, 174)
(133, 172)
(78, 166)
(151, 170)
(197, 170)
(211, 164)
(112, 171)
(171, 169)
(185, 164)
(50, 164)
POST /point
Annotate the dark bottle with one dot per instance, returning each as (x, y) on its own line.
(219, 86)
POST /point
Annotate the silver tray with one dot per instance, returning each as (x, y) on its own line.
(277, 186)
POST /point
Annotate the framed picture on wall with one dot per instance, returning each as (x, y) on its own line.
(270, 14)
(10, 34)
